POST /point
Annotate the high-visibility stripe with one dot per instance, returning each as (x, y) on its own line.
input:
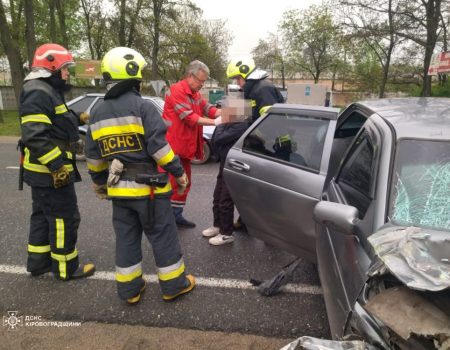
(185, 114)
(38, 168)
(60, 109)
(133, 189)
(167, 158)
(49, 156)
(60, 233)
(127, 274)
(96, 165)
(62, 266)
(171, 272)
(37, 118)
(65, 257)
(264, 109)
(116, 130)
(116, 125)
(39, 249)
(180, 106)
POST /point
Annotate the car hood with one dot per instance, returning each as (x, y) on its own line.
(418, 257)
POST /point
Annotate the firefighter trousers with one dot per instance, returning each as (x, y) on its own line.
(53, 231)
(154, 217)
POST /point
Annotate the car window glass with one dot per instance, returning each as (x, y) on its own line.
(294, 139)
(422, 184)
(99, 101)
(82, 105)
(355, 176)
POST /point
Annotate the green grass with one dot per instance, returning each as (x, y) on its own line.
(9, 123)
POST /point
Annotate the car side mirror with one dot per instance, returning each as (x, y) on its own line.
(336, 216)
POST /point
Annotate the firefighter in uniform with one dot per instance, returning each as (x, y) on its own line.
(261, 92)
(125, 144)
(49, 129)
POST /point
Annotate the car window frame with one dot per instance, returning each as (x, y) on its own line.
(312, 114)
(375, 142)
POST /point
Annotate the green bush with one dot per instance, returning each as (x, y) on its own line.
(9, 123)
(440, 90)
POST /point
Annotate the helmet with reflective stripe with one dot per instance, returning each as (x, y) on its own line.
(240, 66)
(52, 57)
(122, 63)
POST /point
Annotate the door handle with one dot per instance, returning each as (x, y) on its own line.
(238, 165)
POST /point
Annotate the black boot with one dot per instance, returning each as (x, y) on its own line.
(180, 220)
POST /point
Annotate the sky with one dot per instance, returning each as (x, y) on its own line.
(249, 20)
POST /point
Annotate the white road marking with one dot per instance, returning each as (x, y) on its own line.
(200, 281)
(13, 167)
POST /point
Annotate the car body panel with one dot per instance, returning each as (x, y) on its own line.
(289, 187)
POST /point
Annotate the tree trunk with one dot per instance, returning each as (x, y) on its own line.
(29, 31)
(62, 23)
(12, 53)
(53, 31)
(157, 10)
(122, 20)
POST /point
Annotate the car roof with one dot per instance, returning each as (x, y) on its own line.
(325, 112)
(99, 94)
(414, 117)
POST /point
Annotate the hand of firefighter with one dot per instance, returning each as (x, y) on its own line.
(61, 177)
(182, 182)
(115, 170)
(84, 118)
(100, 191)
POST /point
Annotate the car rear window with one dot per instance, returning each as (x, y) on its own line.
(421, 186)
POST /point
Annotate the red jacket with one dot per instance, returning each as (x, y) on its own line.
(182, 110)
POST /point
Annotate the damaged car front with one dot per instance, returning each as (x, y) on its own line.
(405, 300)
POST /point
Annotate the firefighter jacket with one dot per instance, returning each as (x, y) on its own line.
(48, 129)
(182, 109)
(128, 128)
(262, 93)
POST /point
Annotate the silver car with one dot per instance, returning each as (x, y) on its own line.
(365, 194)
(86, 102)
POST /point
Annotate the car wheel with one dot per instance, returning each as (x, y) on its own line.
(79, 154)
(206, 155)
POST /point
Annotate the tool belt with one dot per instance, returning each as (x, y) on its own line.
(144, 173)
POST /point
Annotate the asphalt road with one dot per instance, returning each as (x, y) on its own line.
(223, 301)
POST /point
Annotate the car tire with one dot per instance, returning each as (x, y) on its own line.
(206, 155)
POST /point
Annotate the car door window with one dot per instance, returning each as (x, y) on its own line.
(356, 174)
(82, 105)
(292, 139)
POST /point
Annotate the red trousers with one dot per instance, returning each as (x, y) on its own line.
(179, 200)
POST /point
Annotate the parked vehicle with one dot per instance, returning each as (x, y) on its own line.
(86, 102)
(366, 195)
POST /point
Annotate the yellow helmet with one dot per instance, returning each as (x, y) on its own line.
(240, 66)
(122, 63)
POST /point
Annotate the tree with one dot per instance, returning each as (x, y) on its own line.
(9, 36)
(269, 55)
(373, 22)
(421, 20)
(309, 38)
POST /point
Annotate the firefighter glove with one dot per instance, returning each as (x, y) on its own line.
(115, 170)
(182, 182)
(100, 191)
(84, 118)
(61, 177)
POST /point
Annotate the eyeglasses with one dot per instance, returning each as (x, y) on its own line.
(201, 81)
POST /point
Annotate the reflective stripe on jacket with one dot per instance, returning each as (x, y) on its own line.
(130, 129)
(48, 128)
(182, 109)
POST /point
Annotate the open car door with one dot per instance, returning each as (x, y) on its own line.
(276, 173)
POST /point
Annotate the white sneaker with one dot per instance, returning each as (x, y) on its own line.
(211, 231)
(221, 239)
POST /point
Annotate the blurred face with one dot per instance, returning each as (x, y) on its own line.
(240, 81)
(196, 81)
(64, 73)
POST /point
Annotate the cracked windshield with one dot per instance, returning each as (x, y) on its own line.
(422, 190)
